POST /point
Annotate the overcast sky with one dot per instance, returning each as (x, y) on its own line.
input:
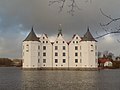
(18, 16)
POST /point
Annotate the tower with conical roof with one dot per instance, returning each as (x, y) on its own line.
(89, 51)
(31, 51)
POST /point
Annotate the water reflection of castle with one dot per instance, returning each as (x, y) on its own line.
(40, 53)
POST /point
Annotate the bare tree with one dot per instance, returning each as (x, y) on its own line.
(72, 6)
(111, 21)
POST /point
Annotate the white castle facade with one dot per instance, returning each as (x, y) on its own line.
(41, 53)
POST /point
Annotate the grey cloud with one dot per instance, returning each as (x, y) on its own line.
(18, 16)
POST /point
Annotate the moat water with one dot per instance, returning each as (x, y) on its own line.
(12, 78)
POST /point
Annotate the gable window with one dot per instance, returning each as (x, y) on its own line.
(76, 60)
(76, 47)
(76, 54)
(44, 60)
(38, 47)
(63, 54)
(38, 53)
(56, 47)
(56, 60)
(44, 54)
(44, 47)
(76, 37)
(43, 37)
(64, 60)
(63, 47)
(38, 60)
(56, 54)
(56, 41)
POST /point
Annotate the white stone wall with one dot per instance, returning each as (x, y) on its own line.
(46, 47)
(75, 47)
(88, 54)
(33, 53)
(30, 54)
(60, 42)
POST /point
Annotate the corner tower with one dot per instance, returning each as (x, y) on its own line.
(89, 51)
(31, 51)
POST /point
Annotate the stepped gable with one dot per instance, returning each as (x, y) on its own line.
(88, 36)
(32, 36)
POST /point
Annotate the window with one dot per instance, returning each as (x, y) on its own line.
(43, 37)
(38, 47)
(56, 47)
(64, 60)
(80, 60)
(63, 54)
(80, 47)
(76, 60)
(76, 37)
(56, 60)
(44, 47)
(44, 54)
(76, 41)
(73, 41)
(80, 54)
(63, 42)
(38, 53)
(76, 54)
(92, 47)
(76, 47)
(38, 60)
(56, 54)
(27, 50)
(63, 47)
(43, 42)
(46, 41)
(56, 41)
(44, 60)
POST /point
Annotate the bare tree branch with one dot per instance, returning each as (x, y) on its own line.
(72, 6)
(61, 2)
(112, 32)
(109, 17)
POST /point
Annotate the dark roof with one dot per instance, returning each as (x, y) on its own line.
(88, 36)
(32, 36)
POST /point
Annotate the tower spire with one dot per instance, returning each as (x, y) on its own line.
(60, 30)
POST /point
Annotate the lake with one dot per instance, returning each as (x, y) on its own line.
(13, 78)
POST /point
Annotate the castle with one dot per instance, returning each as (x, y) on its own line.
(41, 53)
